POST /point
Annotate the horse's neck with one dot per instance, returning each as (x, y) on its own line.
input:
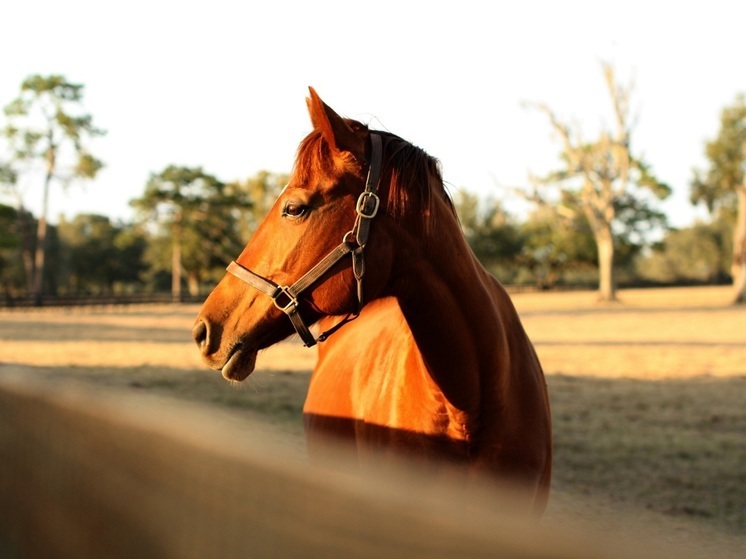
(454, 309)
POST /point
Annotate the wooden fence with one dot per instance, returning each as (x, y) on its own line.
(87, 473)
(97, 300)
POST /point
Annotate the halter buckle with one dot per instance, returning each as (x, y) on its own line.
(362, 204)
(292, 302)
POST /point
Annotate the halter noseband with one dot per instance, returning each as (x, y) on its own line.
(286, 298)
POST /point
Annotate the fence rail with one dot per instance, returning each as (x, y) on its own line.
(98, 300)
(96, 474)
(155, 298)
(146, 298)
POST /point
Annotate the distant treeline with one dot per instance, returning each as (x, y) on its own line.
(595, 218)
(93, 260)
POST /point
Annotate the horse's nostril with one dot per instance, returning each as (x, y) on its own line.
(199, 333)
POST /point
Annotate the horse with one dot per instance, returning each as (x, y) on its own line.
(421, 351)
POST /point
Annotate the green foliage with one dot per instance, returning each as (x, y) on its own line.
(87, 166)
(98, 256)
(9, 237)
(129, 243)
(90, 255)
(12, 274)
(491, 233)
(157, 257)
(262, 189)
(644, 178)
(47, 127)
(552, 246)
(8, 176)
(555, 247)
(636, 221)
(723, 186)
(726, 156)
(697, 254)
(600, 176)
(199, 215)
(175, 193)
(45, 123)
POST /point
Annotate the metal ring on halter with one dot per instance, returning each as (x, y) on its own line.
(292, 301)
(350, 238)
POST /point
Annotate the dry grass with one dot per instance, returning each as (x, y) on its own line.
(651, 334)
(648, 395)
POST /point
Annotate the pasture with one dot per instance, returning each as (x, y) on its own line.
(648, 396)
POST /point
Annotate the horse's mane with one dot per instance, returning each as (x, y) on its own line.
(413, 176)
(415, 179)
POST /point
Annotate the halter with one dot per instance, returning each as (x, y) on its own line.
(286, 298)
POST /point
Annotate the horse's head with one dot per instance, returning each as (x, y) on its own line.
(317, 215)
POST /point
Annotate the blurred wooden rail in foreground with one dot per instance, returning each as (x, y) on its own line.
(87, 473)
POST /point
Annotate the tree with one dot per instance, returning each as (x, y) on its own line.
(723, 185)
(262, 189)
(199, 214)
(129, 265)
(490, 232)
(9, 184)
(598, 175)
(47, 127)
(696, 254)
(12, 277)
(99, 254)
(8, 176)
(555, 246)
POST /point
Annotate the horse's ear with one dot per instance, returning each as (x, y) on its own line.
(337, 133)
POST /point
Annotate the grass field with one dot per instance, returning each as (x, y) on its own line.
(648, 395)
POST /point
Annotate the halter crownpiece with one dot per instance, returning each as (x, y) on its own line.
(286, 298)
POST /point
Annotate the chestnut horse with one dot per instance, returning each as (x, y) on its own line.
(423, 352)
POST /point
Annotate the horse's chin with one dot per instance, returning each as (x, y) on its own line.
(240, 365)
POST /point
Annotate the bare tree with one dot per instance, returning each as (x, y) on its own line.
(598, 176)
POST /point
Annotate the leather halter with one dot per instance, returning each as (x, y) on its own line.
(286, 298)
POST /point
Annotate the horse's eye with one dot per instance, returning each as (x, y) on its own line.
(294, 210)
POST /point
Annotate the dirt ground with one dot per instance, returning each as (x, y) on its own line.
(648, 395)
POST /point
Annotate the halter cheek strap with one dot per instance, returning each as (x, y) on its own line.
(286, 298)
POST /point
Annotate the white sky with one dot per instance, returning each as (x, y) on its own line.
(222, 84)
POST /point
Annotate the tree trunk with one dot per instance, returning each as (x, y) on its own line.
(41, 229)
(41, 235)
(193, 284)
(27, 246)
(739, 250)
(605, 246)
(41, 242)
(176, 266)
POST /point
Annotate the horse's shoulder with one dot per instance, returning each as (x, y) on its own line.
(361, 358)
(380, 323)
(378, 343)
